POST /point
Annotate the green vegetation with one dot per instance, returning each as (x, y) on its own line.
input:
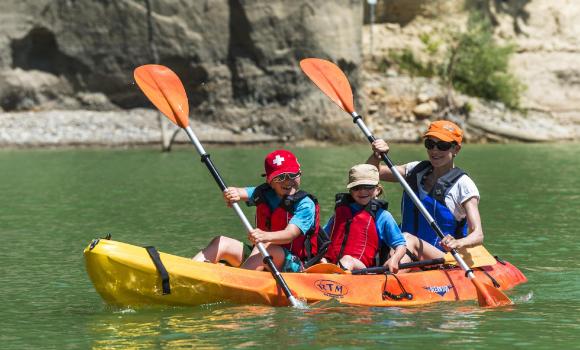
(471, 61)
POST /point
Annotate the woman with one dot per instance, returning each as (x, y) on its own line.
(361, 224)
(447, 193)
(287, 221)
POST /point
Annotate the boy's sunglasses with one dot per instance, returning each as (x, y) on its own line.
(441, 145)
(363, 187)
(289, 176)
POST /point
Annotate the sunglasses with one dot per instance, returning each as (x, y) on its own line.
(441, 145)
(363, 187)
(289, 176)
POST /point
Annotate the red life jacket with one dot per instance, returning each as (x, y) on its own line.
(311, 246)
(355, 235)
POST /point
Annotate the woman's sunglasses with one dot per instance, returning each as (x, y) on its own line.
(289, 176)
(441, 145)
(363, 187)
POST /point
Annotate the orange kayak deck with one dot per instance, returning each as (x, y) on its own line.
(124, 275)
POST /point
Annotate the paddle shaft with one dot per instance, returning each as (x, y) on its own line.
(383, 269)
(357, 119)
(205, 158)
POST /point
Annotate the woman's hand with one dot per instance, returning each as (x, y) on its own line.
(448, 243)
(231, 196)
(258, 236)
(380, 146)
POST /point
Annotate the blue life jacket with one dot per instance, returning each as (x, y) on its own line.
(434, 202)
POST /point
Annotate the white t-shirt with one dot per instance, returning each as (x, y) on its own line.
(460, 192)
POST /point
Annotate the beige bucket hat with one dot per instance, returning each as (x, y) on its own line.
(363, 174)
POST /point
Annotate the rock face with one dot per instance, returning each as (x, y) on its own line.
(238, 59)
(547, 61)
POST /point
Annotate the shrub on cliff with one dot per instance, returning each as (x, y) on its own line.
(478, 66)
(472, 62)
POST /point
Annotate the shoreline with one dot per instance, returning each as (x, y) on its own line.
(145, 128)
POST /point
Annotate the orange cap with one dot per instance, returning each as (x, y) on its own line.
(445, 130)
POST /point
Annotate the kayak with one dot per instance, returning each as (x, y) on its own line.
(126, 275)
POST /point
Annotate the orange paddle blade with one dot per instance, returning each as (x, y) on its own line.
(164, 88)
(331, 80)
(489, 296)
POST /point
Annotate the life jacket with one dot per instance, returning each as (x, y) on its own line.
(354, 234)
(414, 222)
(311, 246)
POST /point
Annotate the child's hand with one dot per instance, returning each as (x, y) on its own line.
(231, 195)
(258, 236)
(392, 265)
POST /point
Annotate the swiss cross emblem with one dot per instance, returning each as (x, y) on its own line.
(278, 160)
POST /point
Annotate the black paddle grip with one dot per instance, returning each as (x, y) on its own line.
(214, 172)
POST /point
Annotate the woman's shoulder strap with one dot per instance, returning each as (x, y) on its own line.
(412, 176)
(445, 182)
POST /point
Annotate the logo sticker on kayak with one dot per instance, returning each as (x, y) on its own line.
(331, 288)
(440, 290)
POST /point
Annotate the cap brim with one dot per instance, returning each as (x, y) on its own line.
(440, 136)
(289, 170)
(361, 182)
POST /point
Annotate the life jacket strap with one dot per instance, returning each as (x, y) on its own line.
(344, 240)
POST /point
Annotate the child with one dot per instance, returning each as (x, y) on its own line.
(361, 223)
(287, 221)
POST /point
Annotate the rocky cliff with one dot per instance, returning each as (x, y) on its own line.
(238, 59)
(67, 65)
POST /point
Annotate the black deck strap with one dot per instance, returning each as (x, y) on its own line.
(493, 280)
(404, 294)
(499, 260)
(160, 268)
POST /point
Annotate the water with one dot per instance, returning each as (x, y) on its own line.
(53, 203)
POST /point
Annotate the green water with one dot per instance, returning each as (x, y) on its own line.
(52, 203)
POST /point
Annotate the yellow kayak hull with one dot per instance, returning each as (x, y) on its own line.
(124, 275)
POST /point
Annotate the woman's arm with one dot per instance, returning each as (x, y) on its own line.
(475, 231)
(380, 146)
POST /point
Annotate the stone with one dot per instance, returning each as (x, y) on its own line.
(423, 110)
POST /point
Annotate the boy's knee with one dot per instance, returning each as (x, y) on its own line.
(219, 240)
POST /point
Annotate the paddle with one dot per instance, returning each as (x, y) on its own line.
(473, 256)
(164, 88)
(334, 83)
